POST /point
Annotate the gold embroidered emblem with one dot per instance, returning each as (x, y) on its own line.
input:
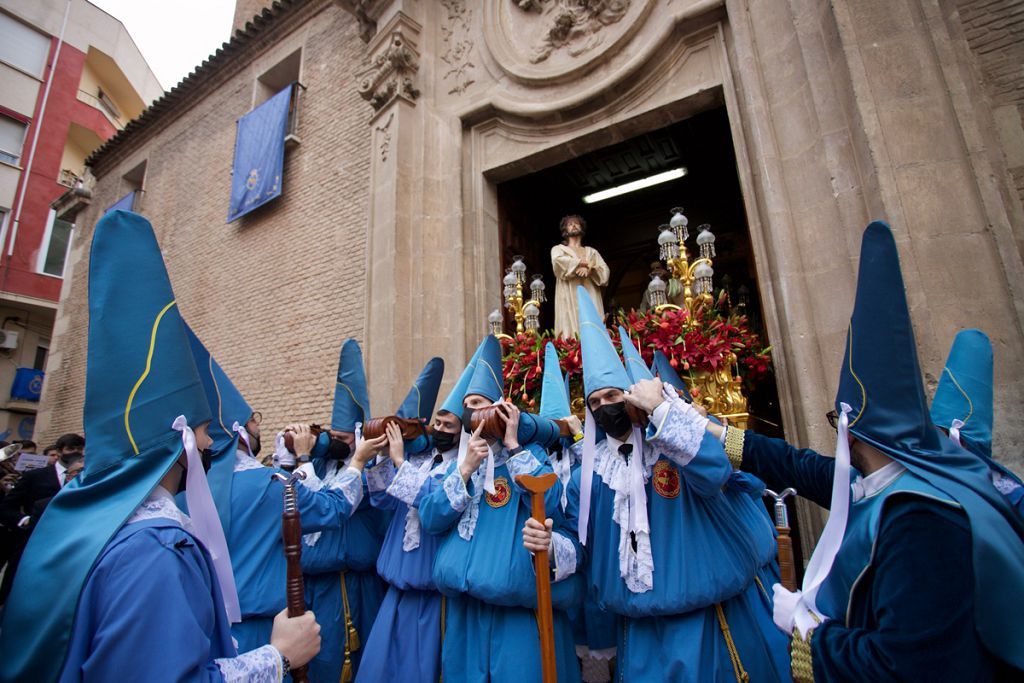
(666, 479)
(502, 493)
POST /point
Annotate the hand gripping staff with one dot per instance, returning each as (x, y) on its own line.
(537, 486)
(787, 566)
(291, 533)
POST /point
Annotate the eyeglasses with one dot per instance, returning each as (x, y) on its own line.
(257, 417)
(833, 419)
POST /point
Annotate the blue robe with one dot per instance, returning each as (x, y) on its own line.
(257, 551)
(405, 643)
(491, 629)
(151, 610)
(594, 630)
(705, 561)
(903, 546)
(346, 553)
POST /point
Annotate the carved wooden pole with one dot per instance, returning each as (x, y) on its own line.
(537, 486)
(291, 532)
(787, 566)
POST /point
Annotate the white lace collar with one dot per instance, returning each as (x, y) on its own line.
(160, 505)
(244, 461)
(877, 481)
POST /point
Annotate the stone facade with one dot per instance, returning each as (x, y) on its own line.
(841, 112)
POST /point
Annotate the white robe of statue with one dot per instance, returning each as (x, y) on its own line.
(565, 261)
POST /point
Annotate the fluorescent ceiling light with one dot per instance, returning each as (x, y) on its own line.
(635, 185)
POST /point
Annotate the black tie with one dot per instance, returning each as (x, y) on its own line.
(625, 450)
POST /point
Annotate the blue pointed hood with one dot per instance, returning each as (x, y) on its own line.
(140, 376)
(487, 380)
(601, 365)
(662, 367)
(965, 391)
(554, 392)
(227, 406)
(351, 398)
(881, 380)
(419, 403)
(636, 368)
(453, 403)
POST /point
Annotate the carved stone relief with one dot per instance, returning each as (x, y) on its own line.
(551, 41)
(575, 25)
(458, 44)
(391, 74)
(385, 137)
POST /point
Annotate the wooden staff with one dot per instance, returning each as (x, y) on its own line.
(537, 486)
(787, 566)
(291, 532)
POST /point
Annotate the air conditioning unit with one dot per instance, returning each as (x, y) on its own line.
(8, 339)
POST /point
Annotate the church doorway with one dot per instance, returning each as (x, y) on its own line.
(625, 228)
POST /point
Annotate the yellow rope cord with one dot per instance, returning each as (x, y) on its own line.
(737, 666)
(351, 635)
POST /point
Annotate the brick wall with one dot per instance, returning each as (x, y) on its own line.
(274, 294)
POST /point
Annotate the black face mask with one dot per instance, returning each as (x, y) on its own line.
(206, 457)
(68, 458)
(613, 419)
(445, 441)
(337, 450)
(467, 420)
(254, 445)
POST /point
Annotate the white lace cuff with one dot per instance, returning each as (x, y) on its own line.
(262, 665)
(576, 449)
(524, 462)
(564, 554)
(680, 431)
(407, 483)
(379, 477)
(351, 484)
(455, 489)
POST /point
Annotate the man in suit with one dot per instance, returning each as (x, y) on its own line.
(35, 485)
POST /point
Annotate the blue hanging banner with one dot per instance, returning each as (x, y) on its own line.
(125, 203)
(28, 384)
(259, 155)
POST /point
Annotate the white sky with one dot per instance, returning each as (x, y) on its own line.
(174, 37)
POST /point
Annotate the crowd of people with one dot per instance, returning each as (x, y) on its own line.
(417, 534)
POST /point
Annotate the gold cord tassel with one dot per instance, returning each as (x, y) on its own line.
(737, 666)
(346, 669)
(351, 634)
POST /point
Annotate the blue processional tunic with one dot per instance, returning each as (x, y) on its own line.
(343, 554)
(405, 643)
(487, 574)
(153, 566)
(254, 540)
(594, 629)
(904, 545)
(704, 561)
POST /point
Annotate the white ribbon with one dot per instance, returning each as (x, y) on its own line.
(205, 522)
(954, 431)
(586, 474)
(358, 431)
(243, 434)
(799, 609)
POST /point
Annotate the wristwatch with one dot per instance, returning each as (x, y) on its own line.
(304, 458)
(286, 666)
(516, 451)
